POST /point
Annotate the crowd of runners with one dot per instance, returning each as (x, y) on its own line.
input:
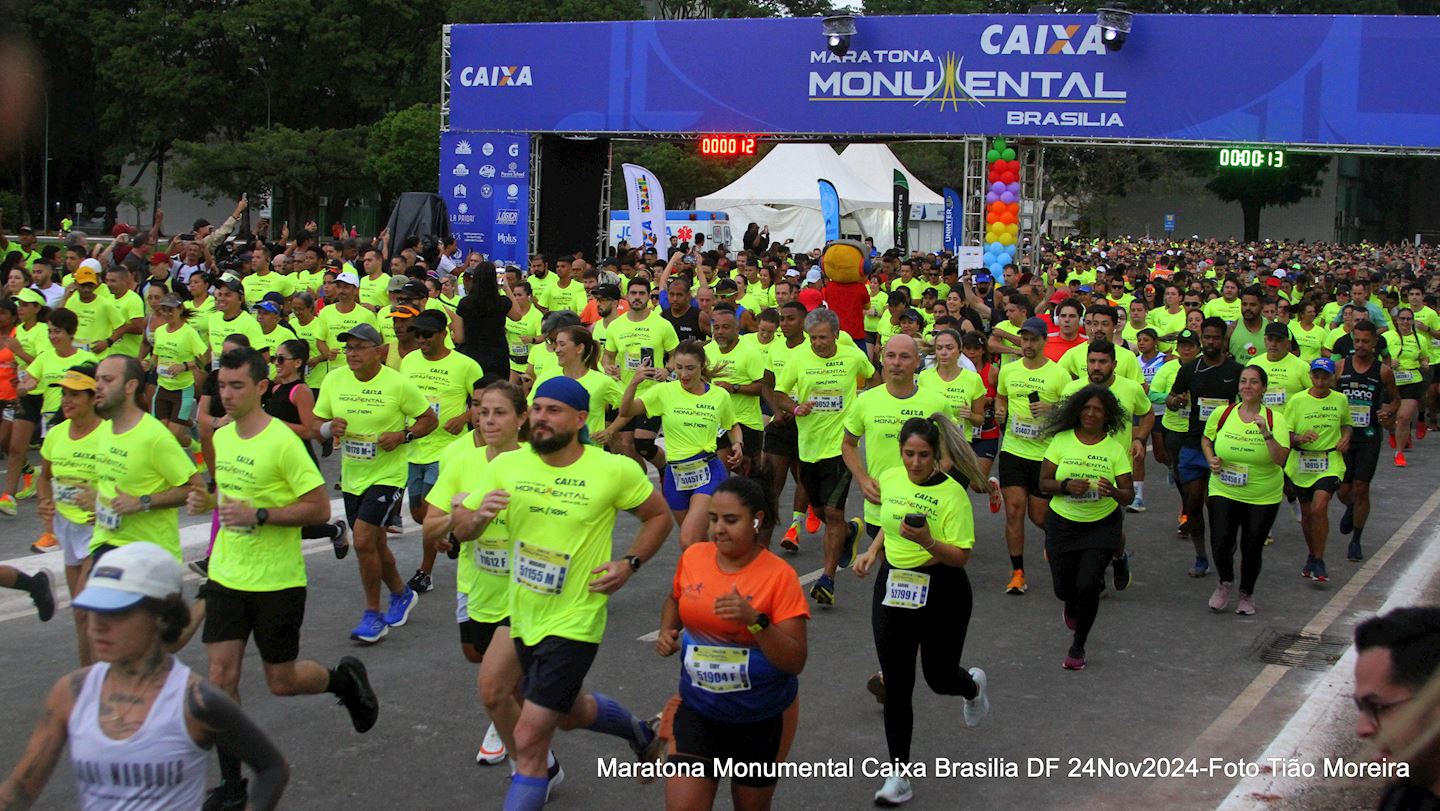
(514, 413)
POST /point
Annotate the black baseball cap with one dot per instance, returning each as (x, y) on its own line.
(609, 292)
(1187, 336)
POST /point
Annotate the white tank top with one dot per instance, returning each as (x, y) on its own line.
(159, 768)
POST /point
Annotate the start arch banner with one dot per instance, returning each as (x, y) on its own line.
(1326, 81)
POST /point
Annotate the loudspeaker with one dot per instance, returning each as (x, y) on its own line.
(572, 182)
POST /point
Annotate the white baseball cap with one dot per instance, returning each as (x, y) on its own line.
(125, 576)
(792, 272)
(812, 276)
(348, 278)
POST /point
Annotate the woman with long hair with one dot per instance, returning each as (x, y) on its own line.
(139, 707)
(692, 414)
(578, 354)
(1087, 466)
(175, 354)
(38, 404)
(1246, 445)
(737, 613)
(922, 596)
(1408, 352)
(1308, 335)
(291, 401)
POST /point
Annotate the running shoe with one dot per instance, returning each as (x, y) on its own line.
(421, 582)
(812, 521)
(372, 628)
(876, 685)
(653, 750)
(1399, 460)
(1136, 506)
(200, 567)
(1307, 572)
(47, 542)
(823, 592)
(995, 501)
(896, 791)
(1220, 600)
(8, 505)
(492, 749)
(791, 541)
(556, 775)
(1074, 660)
(1318, 572)
(400, 607)
(1121, 566)
(853, 528)
(978, 707)
(1353, 553)
(341, 542)
(224, 798)
(1180, 526)
(1347, 521)
(1421, 428)
(1246, 607)
(1201, 568)
(28, 486)
(357, 695)
(42, 593)
(1017, 583)
(1068, 618)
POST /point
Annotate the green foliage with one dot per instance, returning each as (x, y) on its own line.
(403, 150)
(1254, 189)
(303, 164)
(125, 194)
(528, 11)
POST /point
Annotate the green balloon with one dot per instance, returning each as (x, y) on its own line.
(998, 144)
(1008, 154)
(992, 156)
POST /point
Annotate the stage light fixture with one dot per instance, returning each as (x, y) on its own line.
(838, 30)
(1115, 25)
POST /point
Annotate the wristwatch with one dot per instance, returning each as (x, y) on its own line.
(262, 517)
(409, 437)
(762, 621)
(635, 562)
(145, 504)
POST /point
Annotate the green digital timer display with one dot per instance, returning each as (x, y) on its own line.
(1250, 158)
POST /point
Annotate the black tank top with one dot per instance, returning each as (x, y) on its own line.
(1363, 389)
(687, 326)
(279, 406)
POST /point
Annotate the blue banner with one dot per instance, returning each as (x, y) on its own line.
(1302, 79)
(830, 210)
(954, 208)
(485, 180)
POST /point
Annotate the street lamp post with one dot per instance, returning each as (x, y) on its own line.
(45, 168)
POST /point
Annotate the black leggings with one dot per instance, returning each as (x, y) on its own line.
(1252, 523)
(937, 630)
(1079, 577)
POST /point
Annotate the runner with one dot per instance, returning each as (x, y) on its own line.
(267, 488)
(1369, 386)
(1246, 336)
(1245, 445)
(522, 329)
(739, 368)
(230, 318)
(446, 378)
(1408, 353)
(1320, 432)
(366, 407)
(561, 578)
(171, 716)
(823, 380)
(1087, 465)
(922, 597)
(639, 334)
(782, 454)
(985, 439)
(692, 412)
(97, 316)
(1100, 322)
(1024, 396)
(737, 615)
(291, 401)
(66, 473)
(1306, 333)
(1211, 382)
(177, 353)
(339, 316)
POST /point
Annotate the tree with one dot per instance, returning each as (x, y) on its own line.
(403, 151)
(1254, 189)
(683, 173)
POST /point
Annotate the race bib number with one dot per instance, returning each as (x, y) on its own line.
(1360, 416)
(518, 347)
(1025, 430)
(362, 447)
(718, 669)
(1275, 397)
(1314, 461)
(632, 362)
(435, 408)
(1405, 376)
(492, 559)
(691, 475)
(542, 571)
(827, 400)
(164, 370)
(106, 516)
(67, 493)
(906, 589)
(1092, 494)
(1209, 404)
(1184, 413)
(1234, 474)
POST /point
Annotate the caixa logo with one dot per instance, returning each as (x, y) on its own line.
(496, 76)
(507, 216)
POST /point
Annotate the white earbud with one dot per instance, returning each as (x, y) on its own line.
(757, 523)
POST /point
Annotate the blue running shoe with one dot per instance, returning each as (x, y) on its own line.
(853, 528)
(372, 628)
(400, 607)
(1353, 553)
(1309, 567)
(1200, 569)
(1318, 572)
(823, 592)
(1347, 521)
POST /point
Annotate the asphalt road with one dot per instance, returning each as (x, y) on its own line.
(1166, 678)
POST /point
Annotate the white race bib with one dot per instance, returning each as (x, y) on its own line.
(1234, 474)
(717, 668)
(106, 516)
(691, 475)
(1275, 397)
(906, 589)
(1314, 461)
(1360, 416)
(66, 493)
(1091, 494)
(1025, 430)
(163, 370)
(359, 447)
(1405, 376)
(492, 559)
(542, 571)
(828, 400)
(1209, 404)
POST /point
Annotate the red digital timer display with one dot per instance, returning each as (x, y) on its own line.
(727, 146)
